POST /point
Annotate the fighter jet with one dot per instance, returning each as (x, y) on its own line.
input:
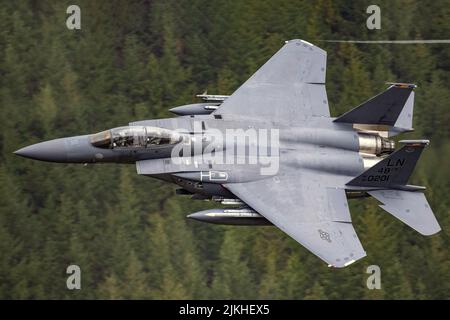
(272, 155)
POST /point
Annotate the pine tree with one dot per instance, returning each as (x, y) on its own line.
(232, 278)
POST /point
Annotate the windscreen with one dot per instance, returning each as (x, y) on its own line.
(135, 137)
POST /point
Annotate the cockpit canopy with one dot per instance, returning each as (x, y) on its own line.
(135, 137)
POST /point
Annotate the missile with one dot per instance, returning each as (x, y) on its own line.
(238, 217)
(212, 97)
(227, 201)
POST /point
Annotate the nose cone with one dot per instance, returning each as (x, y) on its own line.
(53, 151)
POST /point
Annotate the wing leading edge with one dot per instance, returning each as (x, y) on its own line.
(311, 213)
(290, 86)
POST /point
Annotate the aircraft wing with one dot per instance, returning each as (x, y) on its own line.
(290, 86)
(304, 207)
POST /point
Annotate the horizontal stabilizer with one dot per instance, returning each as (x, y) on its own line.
(394, 170)
(393, 107)
(409, 207)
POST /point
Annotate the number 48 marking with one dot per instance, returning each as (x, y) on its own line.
(384, 170)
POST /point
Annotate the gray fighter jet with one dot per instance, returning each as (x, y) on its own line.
(273, 154)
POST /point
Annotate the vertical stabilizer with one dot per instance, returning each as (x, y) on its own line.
(393, 108)
(394, 170)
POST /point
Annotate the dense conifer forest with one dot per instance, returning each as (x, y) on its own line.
(133, 60)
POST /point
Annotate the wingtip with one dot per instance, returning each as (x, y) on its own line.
(299, 41)
(402, 85)
(349, 261)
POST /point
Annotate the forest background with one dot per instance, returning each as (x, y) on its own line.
(133, 60)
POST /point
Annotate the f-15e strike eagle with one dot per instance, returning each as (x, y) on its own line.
(272, 152)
